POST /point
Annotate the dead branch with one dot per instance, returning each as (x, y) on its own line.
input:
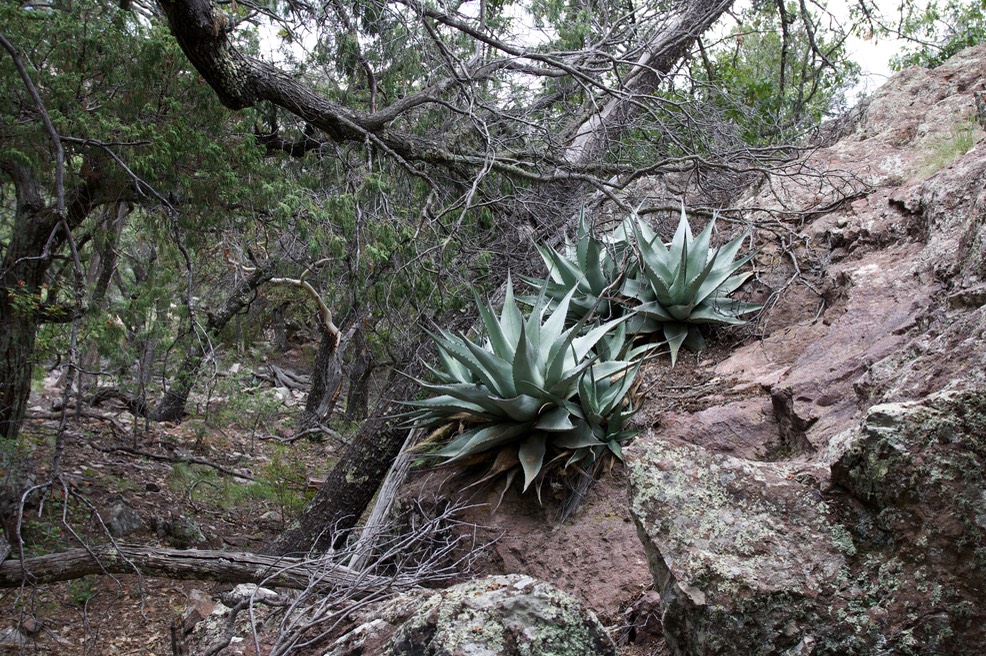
(207, 565)
(188, 461)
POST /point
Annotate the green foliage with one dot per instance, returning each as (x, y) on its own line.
(686, 283)
(939, 30)
(281, 481)
(286, 480)
(771, 78)
(82, 590)
(533, 385)
(943, 152)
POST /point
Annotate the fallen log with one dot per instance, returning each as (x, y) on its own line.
(320, 574)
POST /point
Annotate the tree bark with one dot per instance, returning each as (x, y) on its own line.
(326, 379)
(102, 266)
(35, 237)
(172, 405)
(358, 398)
(203, 565)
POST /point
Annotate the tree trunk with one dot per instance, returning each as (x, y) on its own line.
(101, 269)
(18, 330)
(353, 481)
(35, 237)
(203, 565)
(326, 379)
(172, 405)
(358, 398)
(280, 342)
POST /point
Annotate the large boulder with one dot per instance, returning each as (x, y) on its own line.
(510, 615)
(742, 558)
(750, 558)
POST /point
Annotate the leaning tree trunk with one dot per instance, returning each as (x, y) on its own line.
(172, 405)
(326, 378)
(358, 397)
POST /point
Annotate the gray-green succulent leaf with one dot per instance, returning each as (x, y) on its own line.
(686, 283)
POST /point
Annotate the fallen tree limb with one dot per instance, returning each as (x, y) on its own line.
(320, 574)
(178, 459)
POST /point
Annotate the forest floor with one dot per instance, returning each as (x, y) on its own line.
(229, 477)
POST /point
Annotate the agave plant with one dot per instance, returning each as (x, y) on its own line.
(532, 383)
(590, 266)
(686, 283)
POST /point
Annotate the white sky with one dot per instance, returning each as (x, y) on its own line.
(873, 55)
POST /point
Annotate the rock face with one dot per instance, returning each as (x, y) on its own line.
(827, 494)
(510, 615)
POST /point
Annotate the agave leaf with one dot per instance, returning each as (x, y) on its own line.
(510, 317)
(482, 438)
(694, 342)
(654, 255)
(565, 386)
(593, 270)
(462, 351)
(727, 252)
(616, 449)
(554, 326)
(494, 331)
(656, 311)
(577, 456)
(492, 370)
(661, 287)
(531, 455)
(681, 312)
(580, 437)
(582, 345)
(727, 311)
(611, 399)
(675, 333)
(452, 370)
(699, 249)
(555, 420)
(526, 371)
(583, 237)
(561, 356)
(562, 270)
(682, 237)
(732, 283)
(634, 288)
(691, 289)
(722, 278)
(677, 288)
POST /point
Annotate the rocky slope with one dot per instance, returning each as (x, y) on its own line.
(828, 496)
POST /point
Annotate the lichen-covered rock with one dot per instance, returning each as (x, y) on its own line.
(742, 553)
(916, 473)
(121, 520)
(509, 615)
(750, 559)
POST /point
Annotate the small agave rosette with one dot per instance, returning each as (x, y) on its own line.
(686, 283)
